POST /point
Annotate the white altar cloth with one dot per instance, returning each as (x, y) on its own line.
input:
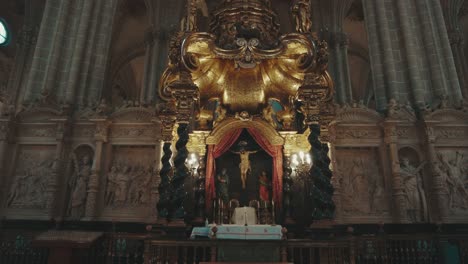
(250, 232)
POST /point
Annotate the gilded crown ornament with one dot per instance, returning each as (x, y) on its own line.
(243, 61)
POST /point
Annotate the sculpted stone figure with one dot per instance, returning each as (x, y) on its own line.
(301, 13)
(29, 187)
(359, 186)
(416, 205)
(19, 188)
(122, 180)
(458, 194)
(111, 186)
(189, 23)
(79, 187)
(128, 185)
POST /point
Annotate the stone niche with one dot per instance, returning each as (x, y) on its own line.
(30, 174)
(79, 169)
(364, 192)
(129, 184)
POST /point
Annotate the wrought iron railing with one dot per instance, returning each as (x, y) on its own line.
(19, 251)
(124, 248)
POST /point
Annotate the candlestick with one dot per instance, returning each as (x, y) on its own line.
(273, 212)
(214, 211)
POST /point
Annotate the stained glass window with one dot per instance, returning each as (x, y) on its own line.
(4, 33)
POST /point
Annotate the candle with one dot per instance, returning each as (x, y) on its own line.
(222, 212)
(214, 211)
(273, 211)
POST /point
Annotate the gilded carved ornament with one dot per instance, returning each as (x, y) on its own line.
(197, 142)
(295, 143)
(244, 62)
(231, 124)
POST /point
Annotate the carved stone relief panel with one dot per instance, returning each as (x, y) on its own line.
(33, 168)
(133, 131)
(453, 166)
(77, 185)
(363, 188)
(451, 133)
(84, 131)
(40, 131)
(129, 181)
(365, 132)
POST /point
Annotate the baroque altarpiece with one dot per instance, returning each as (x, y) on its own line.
(240, 87)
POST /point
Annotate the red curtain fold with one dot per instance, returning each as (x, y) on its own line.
(214, 152)
(276, 152)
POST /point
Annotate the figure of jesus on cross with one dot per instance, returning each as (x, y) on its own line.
(244, 164)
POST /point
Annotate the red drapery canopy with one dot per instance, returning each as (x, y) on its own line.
(215, 151)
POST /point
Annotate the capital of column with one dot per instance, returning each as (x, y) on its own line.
(186, 94)
(390, 133)
(102, 129)
(152, 35)
(335, 39)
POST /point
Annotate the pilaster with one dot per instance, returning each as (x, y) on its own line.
(100, 137)
(391, 140)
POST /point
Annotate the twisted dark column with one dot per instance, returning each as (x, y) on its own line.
(180, 174)
(165, 184)
(321, 190)
(200, 192)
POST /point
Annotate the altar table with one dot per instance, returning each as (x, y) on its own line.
(250, 232)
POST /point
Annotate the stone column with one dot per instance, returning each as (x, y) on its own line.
(451, 9)
(51, 200)
(69, 61)
(438, 190)
(100, 137)
(337, 174)
(25, 41)
(391, 140)
(5, 127)
(155, 53)
(155, 179)
(164, 18)
(446, 58)
(331, 14)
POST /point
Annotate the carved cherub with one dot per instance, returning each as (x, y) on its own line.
(220, 114)
(268, 113)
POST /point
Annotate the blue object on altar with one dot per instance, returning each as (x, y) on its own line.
(251, 232)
